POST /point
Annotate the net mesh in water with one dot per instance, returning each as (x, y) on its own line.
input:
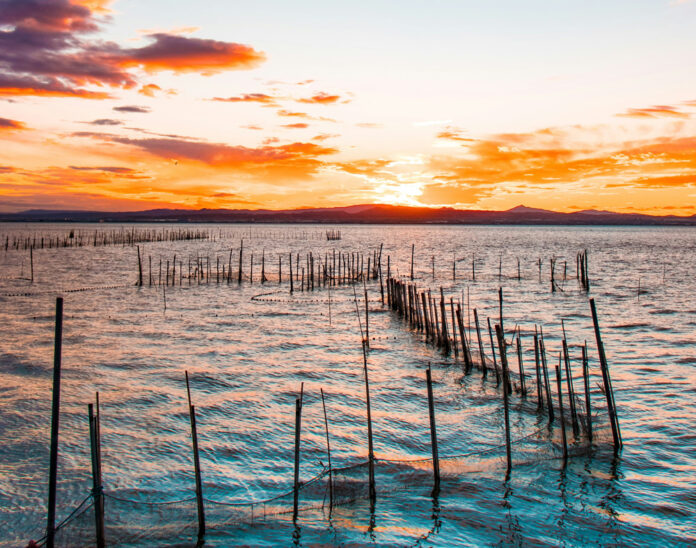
(131, 520)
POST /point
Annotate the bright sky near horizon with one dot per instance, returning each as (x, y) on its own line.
(131, 105)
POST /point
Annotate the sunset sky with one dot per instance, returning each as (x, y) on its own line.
(130, 105)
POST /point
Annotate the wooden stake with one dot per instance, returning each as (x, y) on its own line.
(55, 418)
(433, 431)
(296, 484)
(97, 495)
(328, 448)
(586, 377)
(560, 408)
(608, 390)
(506, 390)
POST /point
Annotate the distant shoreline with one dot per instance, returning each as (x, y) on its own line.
(357, 215)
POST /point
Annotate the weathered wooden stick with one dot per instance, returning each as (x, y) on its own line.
(608, 390)
(500, 307)
(433, 431)
(454, 329)
(291, 278)
(296, 483)
(547, 383)
(140, 269)
(571, 391)
(241, 252)
(586, 377)
(482, 356)
(55, 417)
(367, 317)
(413, 249)
(506, 389)
(370, 447)
(443, 314)
(196, 466)
(537, 366)
(523, 384)
(97, 495)
(328, 448)
(465, 346)
(495, 361)
(560, 408)
(31, 263)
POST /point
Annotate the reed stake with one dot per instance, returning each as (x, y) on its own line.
(55, 417)
(97, 494)
(608, 390)
(370, 447)
(480, 344)
(140, 269)
(296, 483)
(328, 448)
(506, 389)
(495, 361)
(413, 249)
(433, 431)
(586, 377)
(560, 408)
(196, 467)
(523, 384)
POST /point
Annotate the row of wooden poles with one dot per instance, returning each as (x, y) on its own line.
(312, 271)
(424, 313)
(94, 416)
(97, 238)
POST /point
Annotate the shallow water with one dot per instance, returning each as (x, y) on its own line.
(248, 348)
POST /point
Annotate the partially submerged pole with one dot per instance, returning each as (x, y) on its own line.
(55, 417)
(560, 408)
(328, 448)
(586, 377)
(608, 390)
(296, 484)
(196, 467)
(506, 403)
(370, 447)
(433, 431)
(97, 494)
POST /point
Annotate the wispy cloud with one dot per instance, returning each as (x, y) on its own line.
(657, 111)
(11, 125)
(132, 108)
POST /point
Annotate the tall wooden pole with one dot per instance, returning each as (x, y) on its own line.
(433, 431)
(55, 418)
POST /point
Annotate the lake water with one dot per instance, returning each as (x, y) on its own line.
(249, 347)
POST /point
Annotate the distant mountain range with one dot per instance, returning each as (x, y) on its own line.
(362, 214)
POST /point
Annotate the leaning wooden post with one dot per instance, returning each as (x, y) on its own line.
(560, 408)
(480, 343)
(140, 269)
(586, 377)
(370, 447)
(495, 361)
(413, 249)
(523, 384)
(55, 416)
(291, 278)
(506, 388)
(328, 448)
(547, 382)
(97, 494)
(196, 467)
(367, 317)
(31, 262)
(500, 305)
(241, 251)
(433, 431)
(296, 484)
(465, 346)
(537, 366)
(608, 390)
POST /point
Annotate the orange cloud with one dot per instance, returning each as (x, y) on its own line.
(298, 125)
(453, 134)
(184, 54)
(292, 114)
(657, 111)
(11, 125)
(321, 98)
(262, 98)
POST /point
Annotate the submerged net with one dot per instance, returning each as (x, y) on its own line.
(132, 520)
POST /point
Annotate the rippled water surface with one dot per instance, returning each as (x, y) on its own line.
(249, 347)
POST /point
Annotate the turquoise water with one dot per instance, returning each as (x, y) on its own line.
(249, 347)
